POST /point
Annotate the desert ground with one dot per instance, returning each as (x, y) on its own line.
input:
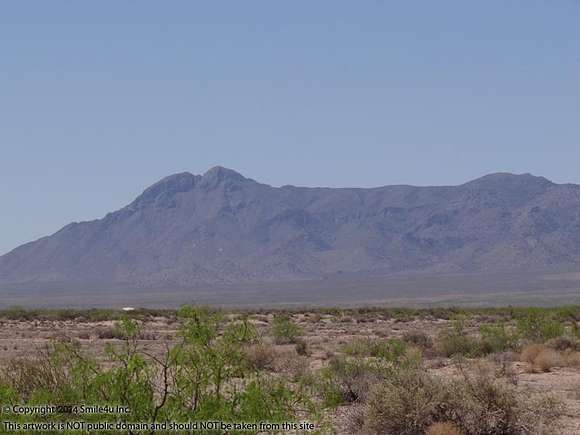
(530, 351)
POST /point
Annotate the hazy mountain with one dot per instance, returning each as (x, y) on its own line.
(222, 227)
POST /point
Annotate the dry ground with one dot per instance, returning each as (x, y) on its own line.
(325, 335)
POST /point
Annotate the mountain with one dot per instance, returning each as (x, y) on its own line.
(221, 227)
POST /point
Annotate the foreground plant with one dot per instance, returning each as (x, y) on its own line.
(205, 376)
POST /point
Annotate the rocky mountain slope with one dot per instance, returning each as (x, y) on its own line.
(221, 227)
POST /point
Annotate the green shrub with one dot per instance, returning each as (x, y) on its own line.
(538, 326)
(391, 350)
(456, 341)
(284, 330)
(205, 376)
(497, 338)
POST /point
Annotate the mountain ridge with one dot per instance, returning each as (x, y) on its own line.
(221, 227)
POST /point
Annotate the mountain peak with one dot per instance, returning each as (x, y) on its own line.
(499, 179)
(221, 173)
(167, 187)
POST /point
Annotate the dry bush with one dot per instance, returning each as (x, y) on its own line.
(410, 401)
(547, 359)
(42, 372)
(571, 359)
(261, 356)
(564, 343)
(355, 418)
(406, 403)
(349, 381)
(504, 366)
(291, 365)
(500, 357)
(109, 333)
(302, 347)
(419, 339)
(530, 352)
(443, 428)
(540, 357)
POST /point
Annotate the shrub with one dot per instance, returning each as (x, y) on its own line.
(505, 367)
(261, 356)
(571, 359)
(564, 343)
(109, 333)
(418, 338)
(292, 366)
(497, 338)
(547, 359)
(449, 343)
(410, 401)
(301, 347)
(530, 352)
(15, 312)
(205, 376)
(46, 372)
(540, 357)
(347, 381)
(538, 326)
(406, 403)
(391, 350)
(284, 330)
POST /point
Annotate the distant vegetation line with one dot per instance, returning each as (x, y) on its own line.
(563, 312)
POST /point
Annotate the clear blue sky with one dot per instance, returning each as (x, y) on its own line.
(100, 99)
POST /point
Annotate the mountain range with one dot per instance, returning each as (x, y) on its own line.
(221, 227)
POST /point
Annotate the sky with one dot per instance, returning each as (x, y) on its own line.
(98, 100)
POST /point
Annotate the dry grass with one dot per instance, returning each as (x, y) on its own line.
(530, 353)
(571, 359)
(547, 359)
(291, 365)
(540, 358)
(261, 356)
(418, 338)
